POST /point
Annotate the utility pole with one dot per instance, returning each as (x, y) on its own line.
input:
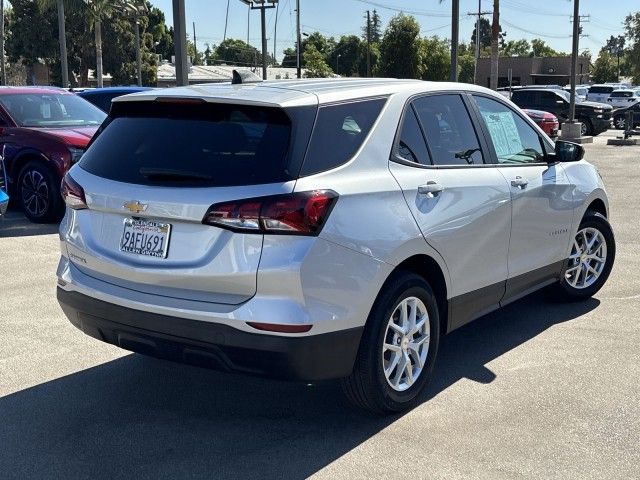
(455, 27)
(195, 45)
(368, 43)
(3, 74)
(495, 34)
(262, 5)
(62, 39)
(298, 41)
(248, 22)
(138, 54)
(574, 60)
(180, 42)
(479, 15)
(275, 36)
(226, 21)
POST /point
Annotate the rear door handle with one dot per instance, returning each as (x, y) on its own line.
(430, 188)
(519, 182)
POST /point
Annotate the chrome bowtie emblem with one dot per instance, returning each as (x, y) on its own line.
(135, 207)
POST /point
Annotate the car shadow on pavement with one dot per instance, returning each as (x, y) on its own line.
(137, 417)
(15, 224)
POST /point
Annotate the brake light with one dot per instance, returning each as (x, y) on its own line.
(302, 213)
(73, 193)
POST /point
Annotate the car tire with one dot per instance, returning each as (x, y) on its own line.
(383, 344)
(619, 122)
(578, 281)
(587, 127)
(38, 192)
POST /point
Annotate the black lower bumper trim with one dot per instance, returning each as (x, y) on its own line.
(309, 358)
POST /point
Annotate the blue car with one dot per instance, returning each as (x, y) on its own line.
(101, 97)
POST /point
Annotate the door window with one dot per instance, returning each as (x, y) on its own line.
(411, 144)
(450, 135)
(514, 140)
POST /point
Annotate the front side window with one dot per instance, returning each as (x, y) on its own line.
(450, 135)
(514, 140)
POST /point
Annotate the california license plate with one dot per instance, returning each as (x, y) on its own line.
(145, 237)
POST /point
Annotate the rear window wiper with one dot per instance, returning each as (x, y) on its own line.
(172, 174)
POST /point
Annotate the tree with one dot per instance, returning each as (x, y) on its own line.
(315, 65)
(539, 48)
(290, 59)
(615, 48)
(375, 28)
(632, 27)
(346, 55)
(435, 59)
(399, 48)
(374, 58)
(516, 48)
(485, 33)
(237, 52)
(604, 68)
(324, 45)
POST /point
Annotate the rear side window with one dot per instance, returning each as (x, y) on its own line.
(162, 143)
(451, 137)
(339, 132)
(411, 146)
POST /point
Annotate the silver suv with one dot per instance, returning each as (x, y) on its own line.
(330, 229)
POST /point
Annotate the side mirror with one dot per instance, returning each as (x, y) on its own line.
(566, 152)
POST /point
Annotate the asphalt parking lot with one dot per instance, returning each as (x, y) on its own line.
(538, 390)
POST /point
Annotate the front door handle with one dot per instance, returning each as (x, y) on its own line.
(519, 182)
(430, 188)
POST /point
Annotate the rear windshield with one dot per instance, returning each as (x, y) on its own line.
(601, 89)
(622, 94)
(160, 143)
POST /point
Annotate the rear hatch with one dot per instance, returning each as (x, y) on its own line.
(152, 173)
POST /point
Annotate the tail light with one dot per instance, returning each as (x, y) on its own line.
(73, 193)
(302, 213)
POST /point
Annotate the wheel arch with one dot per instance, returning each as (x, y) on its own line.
(22, 158)
(597, 205)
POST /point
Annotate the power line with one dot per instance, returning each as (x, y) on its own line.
(537, 34)
(393, 8)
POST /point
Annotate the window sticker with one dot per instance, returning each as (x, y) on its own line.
(504, 133)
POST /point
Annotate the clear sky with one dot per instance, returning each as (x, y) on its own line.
(546, 19)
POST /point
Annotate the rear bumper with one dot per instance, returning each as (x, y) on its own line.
(221, 347)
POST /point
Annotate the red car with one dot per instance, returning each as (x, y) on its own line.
(43, 131)
(548, 122)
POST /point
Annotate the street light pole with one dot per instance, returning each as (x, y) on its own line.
(3, 76)
(62, 38)
(298, 42)
(455, 24)
(180, 42)
(138, 53)
(574, 60)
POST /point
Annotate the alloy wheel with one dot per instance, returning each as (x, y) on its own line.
(588, 258)
(620, 123)
(35, 193)
(406, 343)
(583, 129)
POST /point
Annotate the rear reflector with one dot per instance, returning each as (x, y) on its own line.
(274, 327)
(73, 193)
(301, 213)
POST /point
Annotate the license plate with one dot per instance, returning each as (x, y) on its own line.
(145, 238)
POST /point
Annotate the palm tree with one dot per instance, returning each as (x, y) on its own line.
(97, 11)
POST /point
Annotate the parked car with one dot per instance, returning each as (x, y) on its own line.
(581, 92)
(548, 122)
(620, 116)
(322, 229)
(101, 97)
(601, 93)
(4, 197)
(623, 98)
(43, 131)
(595, 117)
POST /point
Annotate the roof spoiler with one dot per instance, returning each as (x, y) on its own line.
(244, 76)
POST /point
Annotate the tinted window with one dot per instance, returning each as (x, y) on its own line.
(51, 110)
(339, 132)
(201, 145)
(600, 89)
(514, 140)
(411, 144)
(450, 135)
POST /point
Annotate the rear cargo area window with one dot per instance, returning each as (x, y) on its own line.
(158, 143)
(339, 132)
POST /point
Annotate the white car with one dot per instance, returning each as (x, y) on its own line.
(322, 229)
(623, 98)
(600, 93)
